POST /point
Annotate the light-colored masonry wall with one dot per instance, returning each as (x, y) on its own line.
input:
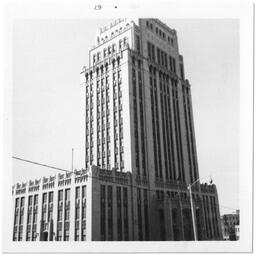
(146, 194)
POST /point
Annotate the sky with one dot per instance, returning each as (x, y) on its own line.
(48, 56)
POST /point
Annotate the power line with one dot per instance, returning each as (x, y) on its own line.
(40, 164)
(97, 178)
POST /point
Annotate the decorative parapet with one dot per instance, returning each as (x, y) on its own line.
(141, 180)
(64, 179)
(206, 188)
(81, 175)
(122, 177)
(172, 31)
(107, 33)
(105, 175)
(34, 185)
(170, 184)
(112, 24)
(48, 182)
(106, 61)
(21, 188)
(112, 176)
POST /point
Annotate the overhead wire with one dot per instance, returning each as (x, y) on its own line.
(94, 177)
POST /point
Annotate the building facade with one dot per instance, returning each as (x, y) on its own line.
(230, 226)
(107, 205)
(140, 148)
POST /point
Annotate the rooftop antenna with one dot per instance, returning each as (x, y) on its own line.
(72, 167)
(211, 181)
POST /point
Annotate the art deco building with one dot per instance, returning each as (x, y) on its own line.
(140, 150)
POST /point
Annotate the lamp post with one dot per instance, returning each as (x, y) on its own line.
(192, 211)
(192, 206)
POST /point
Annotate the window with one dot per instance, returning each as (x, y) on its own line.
(170, 63)
(138, 43)
(30, 200)
(158, 56)
(44, 198)
(84, 234)
(16, 219)
(182, 71)
(172, 42)
(67, 214)
(153, 52)
(60, 212)
(149, 50)
(34, 236)
(44, 215)
(119, 213)
(50, 197)
(60, 195)
(109, 50)
(59, 235)
(17, 202)
(139, 64)
(174, 65)
(35, 199)
(76, 234)
(77, 192)
(84, 211)
(120, 45)
(15, 236)
(133, 60)
(110, 213)
(50, 215)
(77, 213)
(35, 217)
(20, 234)
(29, 218)
(66, 235)
(67, 194)
(139, 213)
(98, 56)
(125, 42)
(103, 213)
(22, 202)
(114, 48)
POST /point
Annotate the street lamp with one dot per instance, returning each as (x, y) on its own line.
(189, 187)
(192, 211)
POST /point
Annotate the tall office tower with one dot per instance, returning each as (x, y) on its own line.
(140, 151)
(138, 113)
(138, 110)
